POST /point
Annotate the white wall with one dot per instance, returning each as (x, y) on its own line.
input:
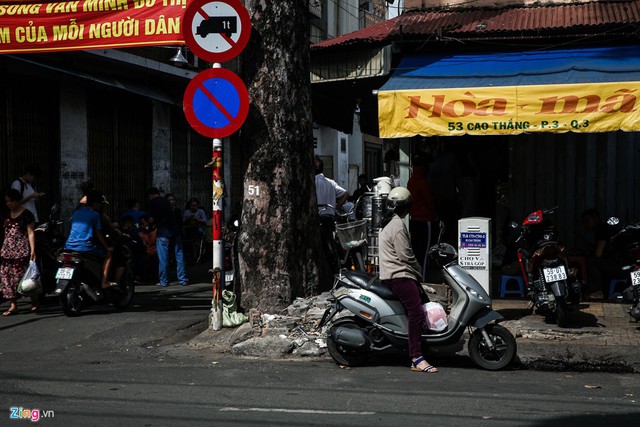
(161, 146)
(74, 147)
(329, 145)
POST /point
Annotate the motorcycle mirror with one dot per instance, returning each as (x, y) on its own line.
(513, 225)
(442, 229)
(613, 221)
(54, 209)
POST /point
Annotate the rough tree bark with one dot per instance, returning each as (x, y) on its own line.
(278, 238)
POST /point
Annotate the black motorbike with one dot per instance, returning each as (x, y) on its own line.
(79, 280)
(553, 287)
(49, 240)
(626, 244)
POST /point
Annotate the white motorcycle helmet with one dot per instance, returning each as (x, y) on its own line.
(399, 200)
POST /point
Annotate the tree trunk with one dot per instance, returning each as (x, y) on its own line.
(278, 237)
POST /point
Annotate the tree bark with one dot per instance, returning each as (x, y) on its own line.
(279, 236)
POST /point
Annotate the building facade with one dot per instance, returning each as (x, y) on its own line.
(347, 151)
(513, 173)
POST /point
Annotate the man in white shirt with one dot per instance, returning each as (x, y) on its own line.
(26, 186)
(329, 194)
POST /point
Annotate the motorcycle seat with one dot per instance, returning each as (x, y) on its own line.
(371, 283)
(85, 256)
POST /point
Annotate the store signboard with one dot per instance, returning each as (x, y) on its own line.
(30, 27)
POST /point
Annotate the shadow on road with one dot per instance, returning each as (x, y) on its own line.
(577, 318)
(514, 313)
(590, 420)
(147, 298)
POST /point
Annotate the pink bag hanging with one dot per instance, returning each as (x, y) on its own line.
(435, 316)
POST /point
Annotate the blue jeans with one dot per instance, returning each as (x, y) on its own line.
(163, 246)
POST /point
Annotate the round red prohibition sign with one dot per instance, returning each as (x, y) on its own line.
(216, 103)
(216, 30)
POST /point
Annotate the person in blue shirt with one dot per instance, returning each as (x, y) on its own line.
(194, 217)
(133, 210)
(86, 230)
(161, 215)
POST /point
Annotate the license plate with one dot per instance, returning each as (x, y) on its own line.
(635, 278)
(554, 274)
(64, 273)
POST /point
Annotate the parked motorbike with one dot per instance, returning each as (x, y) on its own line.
(229, 233)
(345, 239)
(79, 280)
(553, 288)
(49, 240)
(377, 322)
(626, 243)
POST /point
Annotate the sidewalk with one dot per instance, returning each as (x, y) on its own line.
(599, 337)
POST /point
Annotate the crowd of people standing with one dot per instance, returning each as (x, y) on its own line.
(157, 233)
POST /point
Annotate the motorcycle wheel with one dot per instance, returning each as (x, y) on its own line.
(503, 353)
(344, 355)
(561, 312)
(127, 289)
(71, 301)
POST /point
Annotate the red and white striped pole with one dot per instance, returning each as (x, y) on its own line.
(218, 244)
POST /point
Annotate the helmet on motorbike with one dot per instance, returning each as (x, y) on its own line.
(399, 200)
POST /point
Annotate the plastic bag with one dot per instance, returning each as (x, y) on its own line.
(230, 316)
(435, 316)
(30, 283)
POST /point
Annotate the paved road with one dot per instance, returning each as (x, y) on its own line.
(135, 368)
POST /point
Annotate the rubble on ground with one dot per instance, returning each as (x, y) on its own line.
(295, 331)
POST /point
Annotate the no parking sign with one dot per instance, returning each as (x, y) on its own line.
(216, 103)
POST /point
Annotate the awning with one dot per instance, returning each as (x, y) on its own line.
(164, 83)
(577, 90)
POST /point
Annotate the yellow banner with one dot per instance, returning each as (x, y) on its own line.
(585, 107)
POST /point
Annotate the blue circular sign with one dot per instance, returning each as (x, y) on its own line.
(216, 103)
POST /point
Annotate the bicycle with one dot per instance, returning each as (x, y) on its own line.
(345, 239)
(194, 239)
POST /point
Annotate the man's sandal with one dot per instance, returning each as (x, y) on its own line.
(429, 369)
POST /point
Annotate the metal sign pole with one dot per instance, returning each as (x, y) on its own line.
(216, 103)
(218, 248)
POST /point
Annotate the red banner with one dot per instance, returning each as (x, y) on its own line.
(30, 27)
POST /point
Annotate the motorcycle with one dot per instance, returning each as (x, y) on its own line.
(377, 322)
(345, 238)
(553, 287)
(626, 243)
(49, 240)
(229, 233)
(79, 280)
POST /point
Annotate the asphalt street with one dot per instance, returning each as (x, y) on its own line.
(136, 368)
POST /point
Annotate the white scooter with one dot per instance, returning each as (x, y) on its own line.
(378, 321)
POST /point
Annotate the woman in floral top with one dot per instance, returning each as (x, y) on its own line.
(18, 248)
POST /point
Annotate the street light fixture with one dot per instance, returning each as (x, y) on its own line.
(178, 59)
